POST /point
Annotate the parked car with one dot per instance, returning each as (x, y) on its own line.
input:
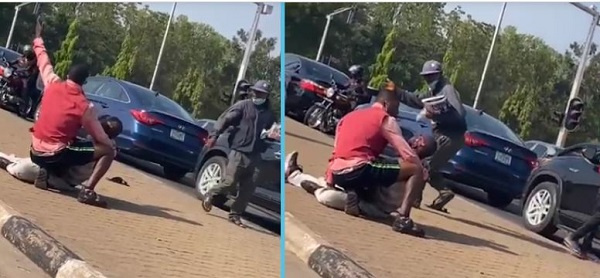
(211, 166)
(542, 149)
(563, 191)
(155, 128)
(493, 159)
(304, 79)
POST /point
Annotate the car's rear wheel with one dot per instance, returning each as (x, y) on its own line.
(211, 174)
(173, 172)
(540, 208)
(499, 199)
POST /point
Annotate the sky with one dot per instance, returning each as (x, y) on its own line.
(558, 24)
(227, 18)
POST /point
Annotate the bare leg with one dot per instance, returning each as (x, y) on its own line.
(104, 157)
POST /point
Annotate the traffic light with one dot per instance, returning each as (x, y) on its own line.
(573, 115)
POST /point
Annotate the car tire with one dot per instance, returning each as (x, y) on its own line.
(499, 199)
(174, 173)
(215, 161)
(546, 226)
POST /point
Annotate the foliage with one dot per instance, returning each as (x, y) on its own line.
(64, 56)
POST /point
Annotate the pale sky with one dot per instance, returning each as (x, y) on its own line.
(226, 18)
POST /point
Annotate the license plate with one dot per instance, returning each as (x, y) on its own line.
(177, 135)
(503, 158)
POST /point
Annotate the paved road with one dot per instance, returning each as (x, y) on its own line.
(295, 268)
(13, 264)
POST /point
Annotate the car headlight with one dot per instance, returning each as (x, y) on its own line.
(330, 92)
(7, 72)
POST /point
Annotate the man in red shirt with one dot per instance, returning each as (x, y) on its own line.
(64, 110)
(361, 136)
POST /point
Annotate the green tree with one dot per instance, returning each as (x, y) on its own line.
(64, 57)
(123, 67)
(379, 72)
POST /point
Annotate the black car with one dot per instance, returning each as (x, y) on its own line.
(542, 149)
(212, 164)
(304, 78)
(563, 191)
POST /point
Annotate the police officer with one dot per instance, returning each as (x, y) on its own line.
(248, 118)
(449, 126)
(357, 85)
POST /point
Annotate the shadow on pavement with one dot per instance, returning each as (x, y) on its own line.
(149, 210)
(247, 226)
(307, 139)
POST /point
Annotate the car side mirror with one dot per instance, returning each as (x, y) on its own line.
(589, 153)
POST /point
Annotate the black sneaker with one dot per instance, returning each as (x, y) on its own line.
(207, 202)
(573, 247)
(4, 163)
(309, 186)
(291, 164)
(90, 197)
(351, 207)
(442, 200)
(405, 225)
(41, 181)
(237, 220)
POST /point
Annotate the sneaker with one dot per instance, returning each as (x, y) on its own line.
(90, 197)
(309, 186)
(351, 207)
(405, 225)
(41, 181)
(237, 220)
(291, 164)
(573, 247)
(442, 200)
(4, 163)
(207, 202)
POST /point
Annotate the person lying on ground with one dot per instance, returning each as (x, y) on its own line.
(361, 137)
(385, 199)
(25, 170)
(64, 110)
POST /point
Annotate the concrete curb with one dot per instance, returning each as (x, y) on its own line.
(41, 248)
(319, 255)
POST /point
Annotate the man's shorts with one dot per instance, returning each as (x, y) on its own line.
(368, 176)
(76, 154)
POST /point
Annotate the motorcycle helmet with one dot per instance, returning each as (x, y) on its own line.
(356, 71)
(28, 52)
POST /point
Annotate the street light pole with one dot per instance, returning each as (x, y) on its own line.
(562, 134)
(14, 23)
(162, 46)
(489, 56)
(261, 8)
(326, 30)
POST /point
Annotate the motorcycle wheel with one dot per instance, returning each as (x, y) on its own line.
(313, 117)
(326, 125)
(24, 109)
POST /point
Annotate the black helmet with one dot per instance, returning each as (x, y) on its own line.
(356, 71)
(28, 52)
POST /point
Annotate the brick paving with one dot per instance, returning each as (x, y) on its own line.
(150, 229)
(470, 242)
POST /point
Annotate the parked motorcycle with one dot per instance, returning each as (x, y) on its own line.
(11, 85)
(326, 114)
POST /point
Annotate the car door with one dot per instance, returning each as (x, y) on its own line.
(581, 184)
(110, 99)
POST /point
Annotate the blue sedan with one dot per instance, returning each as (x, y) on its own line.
(155, 128)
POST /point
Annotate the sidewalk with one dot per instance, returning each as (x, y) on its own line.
(150, 230)
(469, 242)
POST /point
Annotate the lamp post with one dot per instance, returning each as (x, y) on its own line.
(162, 46)
(261, 8)
(326, 30)
(14, 22)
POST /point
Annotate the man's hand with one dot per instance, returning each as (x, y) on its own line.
(39, 27)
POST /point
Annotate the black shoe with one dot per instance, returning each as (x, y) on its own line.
(41, 181)
(207, 202)
(89, 197)
(291, 164)
(237, 220)
(351, 207)
(442, 200)
(309, 186)
(405, 225)
(4, 163)
(573, 247)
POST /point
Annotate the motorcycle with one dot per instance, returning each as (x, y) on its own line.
(11, 84)
(326, 114)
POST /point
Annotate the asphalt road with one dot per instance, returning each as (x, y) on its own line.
(13, 264)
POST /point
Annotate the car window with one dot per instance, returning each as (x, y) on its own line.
(91, 86)
(112, 90)
(540, 150)
(323, 72)
(488, 124)
(529, 144)
(151, 101)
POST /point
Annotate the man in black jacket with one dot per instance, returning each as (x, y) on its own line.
(449, 126)
(248, 118)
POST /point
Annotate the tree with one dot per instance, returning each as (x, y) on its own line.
(64, 57)
(123, 67)
(379, 72)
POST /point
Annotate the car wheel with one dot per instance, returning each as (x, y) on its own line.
(211, 173)
(173, 172)
(499, 199)
(539, 209)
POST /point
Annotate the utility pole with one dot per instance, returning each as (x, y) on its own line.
(14, 22)
(162, 46)
(489, 56)
(326, 30)
(562, 134)
(261, 8)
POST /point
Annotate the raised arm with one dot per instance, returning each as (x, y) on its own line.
(231, 117)
(43, 62)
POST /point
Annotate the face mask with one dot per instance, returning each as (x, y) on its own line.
(258, 101)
